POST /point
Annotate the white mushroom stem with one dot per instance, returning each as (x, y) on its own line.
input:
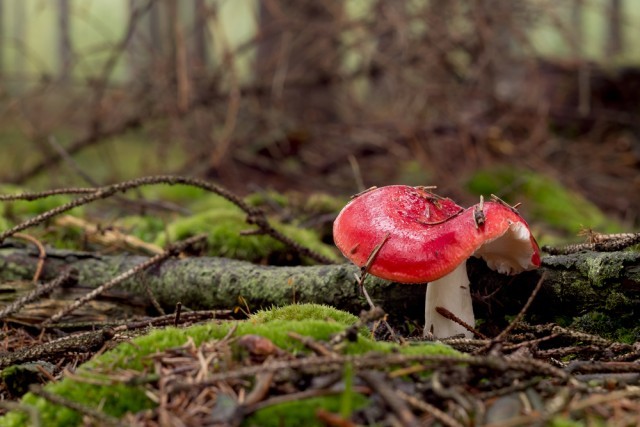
(453, 293)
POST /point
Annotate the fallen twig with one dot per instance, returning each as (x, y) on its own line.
(602, 243)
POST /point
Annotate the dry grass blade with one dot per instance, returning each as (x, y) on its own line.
(108, 237)
(42, 253)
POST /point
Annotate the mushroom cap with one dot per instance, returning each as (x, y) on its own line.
(424, 237)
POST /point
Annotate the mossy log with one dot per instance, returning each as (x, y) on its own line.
(574, 285)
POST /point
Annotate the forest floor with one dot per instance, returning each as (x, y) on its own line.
(314, 368)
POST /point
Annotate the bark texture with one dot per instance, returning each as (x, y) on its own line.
(574, 285)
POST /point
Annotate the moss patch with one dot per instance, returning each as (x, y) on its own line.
(304, 312)
(602, 267)
(118, 398)
(606, 326)
(224, 228)
(545, 199)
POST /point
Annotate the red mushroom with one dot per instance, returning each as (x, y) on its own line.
(427, 238)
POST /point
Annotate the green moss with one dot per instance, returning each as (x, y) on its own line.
(22, 209)
(301, 204)
(601, 268)
(15, 419)
(601, 324)
(224, 227)
(545, 199)
(175, 193)
(595, 323)
(565, 422)
(267, 198)
(304, 312)
(132, 355)
(146, 228)
(617, 301)
(323, 203)
(117, 398)
(193, 198)
(301, 412)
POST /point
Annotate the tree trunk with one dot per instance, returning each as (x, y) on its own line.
(615, 44)
(20, 30)
(65, 50)
(574, 285)
(200, 45)
(2, 37)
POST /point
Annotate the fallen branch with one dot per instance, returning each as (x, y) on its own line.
(173, 250)
(574, 284)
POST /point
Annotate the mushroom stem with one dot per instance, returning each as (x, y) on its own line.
(453, 293)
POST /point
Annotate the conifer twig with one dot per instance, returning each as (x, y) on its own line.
(597, 242)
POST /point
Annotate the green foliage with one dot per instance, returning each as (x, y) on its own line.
(546, 200)
(118, 398)
(301, 412)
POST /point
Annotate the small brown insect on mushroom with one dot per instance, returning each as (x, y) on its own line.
(478, 213)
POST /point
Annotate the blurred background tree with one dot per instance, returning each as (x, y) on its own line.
(483, 96)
